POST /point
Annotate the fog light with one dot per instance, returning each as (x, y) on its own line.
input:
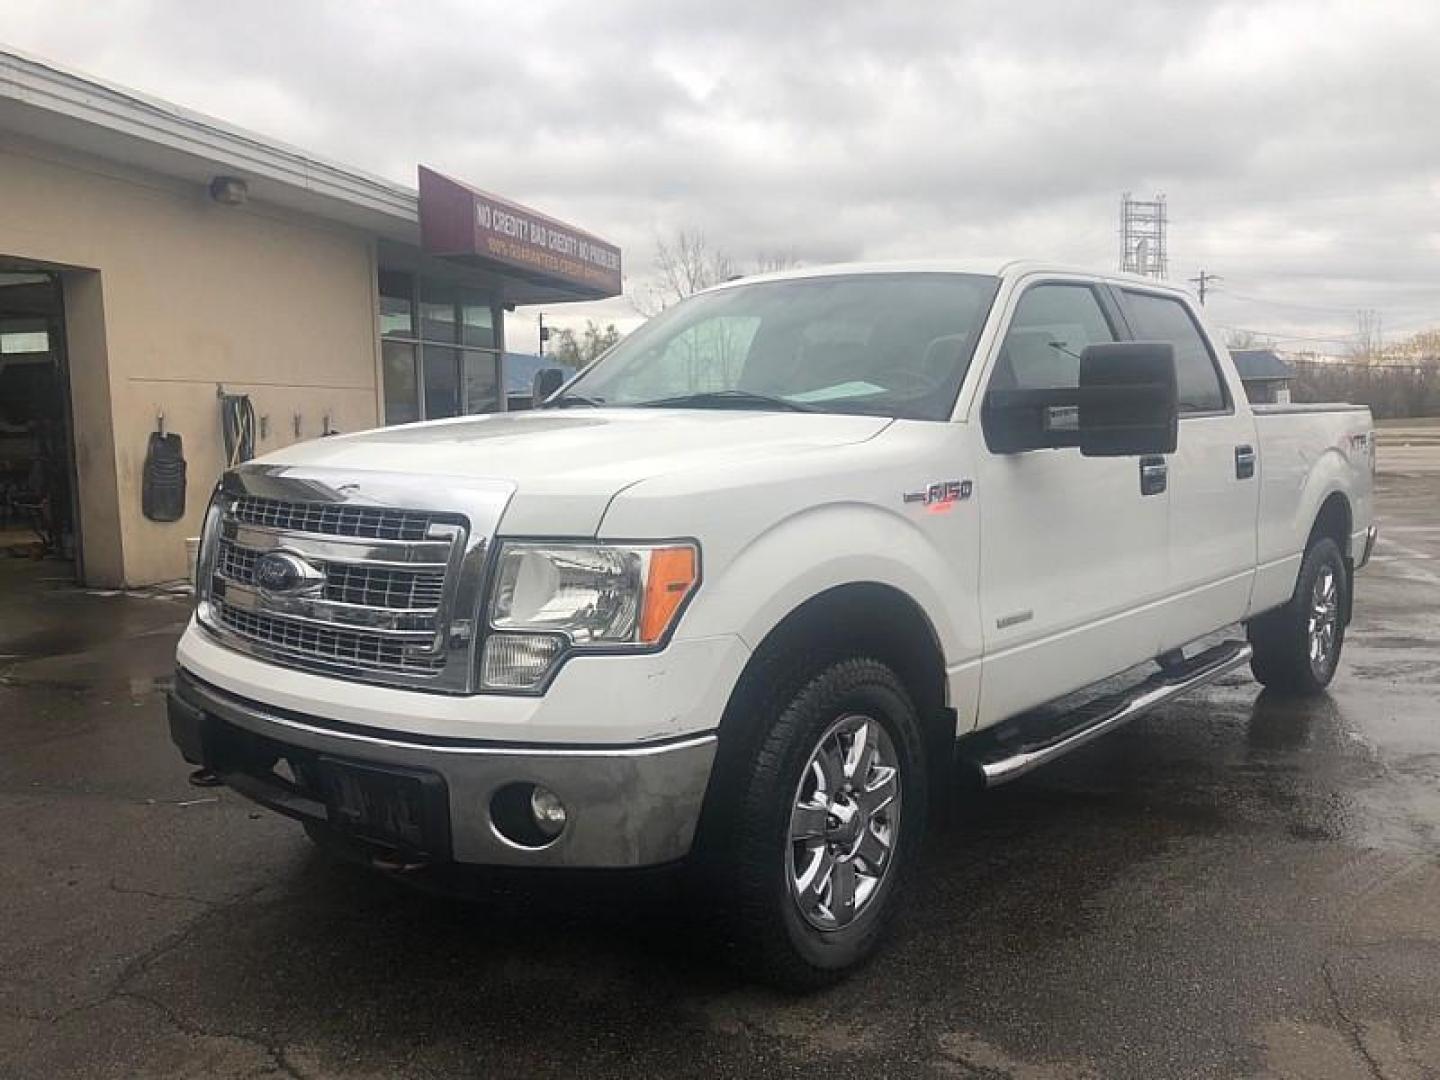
(548, 810)
(527, 815)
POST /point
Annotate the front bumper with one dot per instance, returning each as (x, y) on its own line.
(628, 806)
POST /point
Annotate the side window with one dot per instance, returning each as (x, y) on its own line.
(1163, 318)
(1052, 324)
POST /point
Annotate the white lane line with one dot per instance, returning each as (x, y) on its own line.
(1405, 570)
(1410, 553)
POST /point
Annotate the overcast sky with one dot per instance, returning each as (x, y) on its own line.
(1298, 143)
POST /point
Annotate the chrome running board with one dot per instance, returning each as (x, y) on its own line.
(1003, 761)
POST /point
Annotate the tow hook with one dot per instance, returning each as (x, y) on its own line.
(395, 866)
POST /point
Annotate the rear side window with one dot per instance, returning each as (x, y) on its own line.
(1051, 326)
(1163, 318)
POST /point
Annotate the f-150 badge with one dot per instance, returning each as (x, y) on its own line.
(942, 494)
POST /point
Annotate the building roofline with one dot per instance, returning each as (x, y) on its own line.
(46, 86)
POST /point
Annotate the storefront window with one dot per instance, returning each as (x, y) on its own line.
(397, 304)
(481, 383)
(442, 382)
(440, 349)
(437, 311)
(401, 399)
(477, 320)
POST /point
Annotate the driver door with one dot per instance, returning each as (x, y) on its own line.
(1071, 550)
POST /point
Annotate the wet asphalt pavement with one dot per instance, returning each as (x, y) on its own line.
(1235, 886)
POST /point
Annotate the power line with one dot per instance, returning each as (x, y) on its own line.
(1273, 336)
(1421, 321)
(1290, 304)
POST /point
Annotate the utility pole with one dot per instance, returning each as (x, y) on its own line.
(1202, 282)
(544, 333)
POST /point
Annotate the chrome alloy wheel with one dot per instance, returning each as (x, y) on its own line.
(844, 822)
(1324, 623)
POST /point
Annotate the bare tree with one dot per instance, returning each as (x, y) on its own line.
(685, 264)
(1242, 339)
(1404, 382)
(1369, 338)
(688, 263)
(767, 262)
(579, 351)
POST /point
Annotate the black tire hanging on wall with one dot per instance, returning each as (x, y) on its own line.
(822, 823)
(1297, 647)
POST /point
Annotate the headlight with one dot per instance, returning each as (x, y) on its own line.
(209, 541)
(550, 599)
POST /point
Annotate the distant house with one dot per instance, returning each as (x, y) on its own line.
(1265, 375)
(520, 370)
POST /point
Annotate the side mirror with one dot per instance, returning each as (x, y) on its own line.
(1129, 403)
(1126, 404)
(547, 381)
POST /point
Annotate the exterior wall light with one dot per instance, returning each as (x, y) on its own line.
(229, 190)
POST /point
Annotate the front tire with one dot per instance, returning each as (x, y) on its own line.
(1297, 647)
(828, 824)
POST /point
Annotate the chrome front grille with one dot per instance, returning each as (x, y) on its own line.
(322, 646)
(396, 588)
(335, 519)
(379, 589)
(385, 587)
(236, 563)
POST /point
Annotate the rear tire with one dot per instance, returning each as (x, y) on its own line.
(1297, 647)
(806, 865)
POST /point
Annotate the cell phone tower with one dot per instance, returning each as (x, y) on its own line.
(1143, 249)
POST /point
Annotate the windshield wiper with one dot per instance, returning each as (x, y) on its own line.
(726, 399)
(570, 401)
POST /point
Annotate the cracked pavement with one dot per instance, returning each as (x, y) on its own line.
(1236, 886)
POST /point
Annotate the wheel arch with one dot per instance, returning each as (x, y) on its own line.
(861, 618)
(871, 618)
(1335, 520)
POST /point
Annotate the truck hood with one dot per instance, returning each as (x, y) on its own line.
(567, 465)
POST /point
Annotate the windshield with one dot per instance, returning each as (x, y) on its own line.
(893, 344)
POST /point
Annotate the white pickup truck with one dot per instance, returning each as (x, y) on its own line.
(741, 594)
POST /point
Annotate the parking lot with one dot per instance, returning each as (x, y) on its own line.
(1235, 886)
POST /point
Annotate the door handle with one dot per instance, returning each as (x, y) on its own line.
(1154, 475)
(1244, 462)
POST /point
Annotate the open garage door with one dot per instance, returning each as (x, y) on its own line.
(37, 505)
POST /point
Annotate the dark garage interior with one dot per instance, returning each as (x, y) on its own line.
(36, 512)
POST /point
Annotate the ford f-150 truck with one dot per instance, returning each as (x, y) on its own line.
(745, 593)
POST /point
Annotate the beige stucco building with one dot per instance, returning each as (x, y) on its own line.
(152, 259)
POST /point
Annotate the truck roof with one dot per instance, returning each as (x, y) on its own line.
(994, 267)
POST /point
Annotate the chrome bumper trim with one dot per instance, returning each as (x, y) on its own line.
(629, 806)
(1371, 535)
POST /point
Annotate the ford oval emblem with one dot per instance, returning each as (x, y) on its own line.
(282, 573)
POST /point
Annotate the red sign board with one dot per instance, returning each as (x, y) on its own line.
(457, 220)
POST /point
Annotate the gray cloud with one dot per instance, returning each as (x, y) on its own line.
(1294, 140)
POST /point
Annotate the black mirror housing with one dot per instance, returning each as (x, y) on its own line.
(1129, 401)
(1127, 404)
(546, 382)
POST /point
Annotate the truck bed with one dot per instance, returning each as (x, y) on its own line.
(1306, 451)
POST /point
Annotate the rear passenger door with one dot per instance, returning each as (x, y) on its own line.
(1213, 476)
